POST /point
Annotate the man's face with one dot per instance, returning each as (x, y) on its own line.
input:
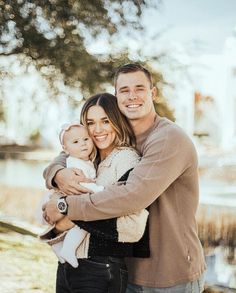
(135, 95)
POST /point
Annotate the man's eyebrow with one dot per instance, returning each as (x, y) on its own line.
(137, 85)
(123, 87)
(140, 85)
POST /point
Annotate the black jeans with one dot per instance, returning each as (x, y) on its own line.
(93, 275)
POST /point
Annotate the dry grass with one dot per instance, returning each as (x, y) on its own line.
(217, 227)
(26, 265)
(20, 202)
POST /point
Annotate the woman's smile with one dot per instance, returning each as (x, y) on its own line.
(100, 137)
(101, 130)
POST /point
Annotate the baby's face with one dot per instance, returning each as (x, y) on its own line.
(77, 143)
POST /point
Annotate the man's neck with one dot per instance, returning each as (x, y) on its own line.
(141, 125)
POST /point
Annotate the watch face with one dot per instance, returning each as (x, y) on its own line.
(61, 206)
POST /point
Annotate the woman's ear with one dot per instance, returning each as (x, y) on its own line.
(154, 92)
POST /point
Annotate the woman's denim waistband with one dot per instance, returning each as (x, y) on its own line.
(107, 259)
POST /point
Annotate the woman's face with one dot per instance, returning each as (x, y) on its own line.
(101, 130)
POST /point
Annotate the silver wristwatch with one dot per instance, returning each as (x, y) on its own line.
(62, 205)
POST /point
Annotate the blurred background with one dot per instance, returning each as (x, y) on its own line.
(55, 54)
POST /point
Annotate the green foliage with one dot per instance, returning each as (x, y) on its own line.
(35, 136)
(54, 34)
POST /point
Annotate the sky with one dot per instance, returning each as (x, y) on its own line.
(188, 21)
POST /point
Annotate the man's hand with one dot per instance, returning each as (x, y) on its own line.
(50, 212)
(64, 224)
(68, 181)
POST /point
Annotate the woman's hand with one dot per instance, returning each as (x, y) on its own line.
(68, 181)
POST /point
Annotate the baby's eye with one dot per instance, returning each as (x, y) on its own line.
(86, 139)
(76, 141)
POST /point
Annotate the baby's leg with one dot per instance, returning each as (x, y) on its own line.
(57, 247)
(92, 186)
(73, 239)
(61, 226)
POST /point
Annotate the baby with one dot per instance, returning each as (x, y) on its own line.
(80, 149)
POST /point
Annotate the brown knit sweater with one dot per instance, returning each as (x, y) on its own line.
(167, 179)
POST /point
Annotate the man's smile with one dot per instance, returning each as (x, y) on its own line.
(133, 106)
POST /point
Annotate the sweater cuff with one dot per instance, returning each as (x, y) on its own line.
(50, 237)
(75, 207)
(131, 228)
(50, 184)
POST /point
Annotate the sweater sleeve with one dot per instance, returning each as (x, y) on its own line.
(167, 153)
(57, 164)
(123, 229)
(126, 159)
(127, 229)
(100, 228)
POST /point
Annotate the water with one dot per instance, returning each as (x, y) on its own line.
(29, 173)
(22, 173)
(219, 272)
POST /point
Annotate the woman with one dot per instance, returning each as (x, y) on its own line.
(105, 270)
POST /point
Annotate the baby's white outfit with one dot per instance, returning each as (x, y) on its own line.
(130, 228)
(66, 249)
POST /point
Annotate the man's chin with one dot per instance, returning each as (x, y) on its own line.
(133, 116)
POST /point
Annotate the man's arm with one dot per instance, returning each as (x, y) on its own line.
(165, 157)
(167, 154)
(124, 229)
(71, 177)
(56, 165)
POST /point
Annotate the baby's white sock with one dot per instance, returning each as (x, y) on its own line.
(57, 250)
(73, 239)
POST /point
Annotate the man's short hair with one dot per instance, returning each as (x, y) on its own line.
(132, 67)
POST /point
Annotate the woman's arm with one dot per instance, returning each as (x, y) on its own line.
(124, 229)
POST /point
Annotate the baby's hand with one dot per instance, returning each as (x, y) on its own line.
(64, 224)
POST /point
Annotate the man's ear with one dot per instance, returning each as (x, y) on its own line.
(154, 93)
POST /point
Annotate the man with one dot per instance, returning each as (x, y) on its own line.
(166, 179)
